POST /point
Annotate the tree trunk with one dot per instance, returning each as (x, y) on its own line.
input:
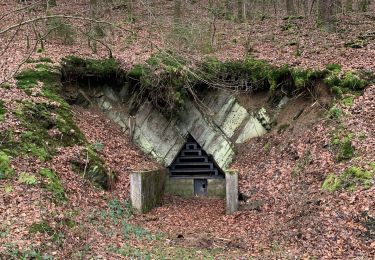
(177, 11)
(229, 9)
(363, 5)
(326, 17)
(290, 9)
(240, 9)
(305, 4)
(349, 5)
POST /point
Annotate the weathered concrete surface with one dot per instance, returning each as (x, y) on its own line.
(231, 177)
(184, 187)
(217, 127)
(147, 189)
(216, 188)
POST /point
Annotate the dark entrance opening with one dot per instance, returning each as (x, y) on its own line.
(193, 161)
(200, 187)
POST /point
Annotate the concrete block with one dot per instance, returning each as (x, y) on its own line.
(147, 189)
(231, 177)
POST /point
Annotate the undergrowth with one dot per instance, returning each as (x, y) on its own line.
(341, 145)
(168, 80)
(48, 125)
(351, 179)
(53, 184)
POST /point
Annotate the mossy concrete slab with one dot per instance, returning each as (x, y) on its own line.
(147, 189)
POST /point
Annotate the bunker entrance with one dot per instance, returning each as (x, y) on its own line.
(193, 161)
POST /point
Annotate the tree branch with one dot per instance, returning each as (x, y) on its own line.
(65, 17)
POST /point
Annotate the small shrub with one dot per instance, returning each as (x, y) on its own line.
(335, 113)
(27, 178)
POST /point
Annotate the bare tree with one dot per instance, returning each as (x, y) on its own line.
(326, 16)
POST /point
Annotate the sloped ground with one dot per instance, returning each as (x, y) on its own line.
(58, 213)
(286, 213)
(298, 42)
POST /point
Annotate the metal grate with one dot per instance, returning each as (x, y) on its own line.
(193, 161)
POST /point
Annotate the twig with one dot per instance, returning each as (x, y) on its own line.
(87, 161)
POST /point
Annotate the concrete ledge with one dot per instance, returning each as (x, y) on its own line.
(231, 177)
(147, 189)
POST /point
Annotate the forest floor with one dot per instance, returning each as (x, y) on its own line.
(285, 215)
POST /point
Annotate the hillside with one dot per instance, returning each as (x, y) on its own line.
(306, 187)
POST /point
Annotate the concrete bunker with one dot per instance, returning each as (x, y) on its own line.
(194, 172)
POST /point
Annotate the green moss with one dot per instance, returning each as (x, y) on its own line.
(352, 81)
(335, 112)
(350, 179)
(372, 165)
(75, 67)
(331, 183)
(38, 119)
(2, 110)
(5, 86)
(304, 78)
(6, 171)
(50, 125)
(29, 78)
(348, 101)
(41, 59)
(53, 184)
(27, 178)
(336, 68)
(41, 227)
(342, 145)
(91, 167)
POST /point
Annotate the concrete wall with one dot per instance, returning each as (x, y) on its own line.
(147, 189)
(223, 123)
(184, 187)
